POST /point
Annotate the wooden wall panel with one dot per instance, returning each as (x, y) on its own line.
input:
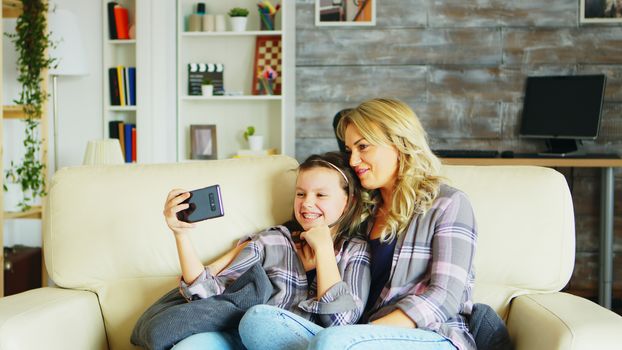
(461, 65)
(498, 13)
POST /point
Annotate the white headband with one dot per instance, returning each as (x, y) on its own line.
(334, 167)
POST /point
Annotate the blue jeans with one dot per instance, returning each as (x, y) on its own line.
(211, 341)
(268, 327)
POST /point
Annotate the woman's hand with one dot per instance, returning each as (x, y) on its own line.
(172, 206)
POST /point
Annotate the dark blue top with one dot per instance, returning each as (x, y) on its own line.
(381, 257)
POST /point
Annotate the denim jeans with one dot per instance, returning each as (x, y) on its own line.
(268, 327)
(211, 341)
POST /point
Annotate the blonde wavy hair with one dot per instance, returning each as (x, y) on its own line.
(392, 123)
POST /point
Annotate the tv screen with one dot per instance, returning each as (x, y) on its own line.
(566, 107)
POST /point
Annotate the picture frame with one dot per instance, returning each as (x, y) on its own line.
(345, 12)
(268, 52)
(600, 11)
(203, 143)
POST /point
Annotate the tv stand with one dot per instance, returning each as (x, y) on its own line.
(560, 147)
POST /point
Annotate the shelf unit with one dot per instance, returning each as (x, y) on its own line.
(271, 115)
(121, 52)
(12, 9)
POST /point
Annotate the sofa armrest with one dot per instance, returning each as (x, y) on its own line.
(51, 318)
(562, 321)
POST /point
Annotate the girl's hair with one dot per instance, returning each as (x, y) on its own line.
(354, 213)
(392, 123)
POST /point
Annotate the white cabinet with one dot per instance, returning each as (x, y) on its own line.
(271, 115)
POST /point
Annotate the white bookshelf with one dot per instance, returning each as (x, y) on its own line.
(129, 53)
(271, 115)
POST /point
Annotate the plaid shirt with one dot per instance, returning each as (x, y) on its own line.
(432, 272)
(342, 304)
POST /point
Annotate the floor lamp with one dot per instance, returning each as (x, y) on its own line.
(70, 56)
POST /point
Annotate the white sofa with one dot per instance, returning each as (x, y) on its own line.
(110, 253)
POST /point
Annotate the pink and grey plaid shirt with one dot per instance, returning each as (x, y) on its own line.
(342, 304)
(431, 277)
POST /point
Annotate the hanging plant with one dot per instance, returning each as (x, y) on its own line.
(31, 42)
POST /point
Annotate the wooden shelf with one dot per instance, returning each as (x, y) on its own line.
(11, 8)
(13, 112)
(32, 213)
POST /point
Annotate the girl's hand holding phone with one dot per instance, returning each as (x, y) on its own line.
(172, 206)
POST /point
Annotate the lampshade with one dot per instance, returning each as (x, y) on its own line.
(68, 49)
(106, 151)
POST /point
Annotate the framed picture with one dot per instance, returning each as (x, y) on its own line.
(601, 11)
(345, 12)
(203, 142)
(268, 52)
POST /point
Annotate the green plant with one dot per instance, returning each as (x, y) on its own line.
(207, 81)
(238, 12)
(31, 42)
(250, 131)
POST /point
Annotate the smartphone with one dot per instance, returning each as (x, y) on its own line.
(205, 203)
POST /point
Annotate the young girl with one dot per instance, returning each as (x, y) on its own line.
(422, 236)
(324, 279)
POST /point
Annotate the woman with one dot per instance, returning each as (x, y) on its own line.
(422, 236)
(324, 279)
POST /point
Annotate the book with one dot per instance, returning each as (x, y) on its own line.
(198, 72)
(134, 151)
(113, 129)
(121, 18)
(132, 83)
(121, 128)
(113, 82)
(128, 142)
(112, 26)
(126, 87)
(121, 85)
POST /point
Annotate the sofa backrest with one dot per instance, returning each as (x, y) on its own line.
(525, 221)
(105, 232)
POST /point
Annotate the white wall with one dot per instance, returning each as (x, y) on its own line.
(80, 99)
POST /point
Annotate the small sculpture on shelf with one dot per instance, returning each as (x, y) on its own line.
(267, 12)
(238, 17)
(207, 87)
(266, 78)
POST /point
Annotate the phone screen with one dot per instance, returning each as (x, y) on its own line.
(205, 203)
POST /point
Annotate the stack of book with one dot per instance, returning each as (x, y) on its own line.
(122, 82)
(118, 22)
(126, 134)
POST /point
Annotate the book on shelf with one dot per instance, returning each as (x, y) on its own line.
(198, 72)
(121, 17)
(122, 86)
(131, 72)
(113, 82)
(112, 25)
(126, 134)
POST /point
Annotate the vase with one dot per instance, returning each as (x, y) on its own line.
(238, 24)
(207, 90)
(219, 23)
(255, 142)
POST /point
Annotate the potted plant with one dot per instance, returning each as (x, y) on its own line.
(207, 87)
(255, 142)
(238, 17)
(31, 42)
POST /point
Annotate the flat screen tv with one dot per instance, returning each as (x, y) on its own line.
(563, 109)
